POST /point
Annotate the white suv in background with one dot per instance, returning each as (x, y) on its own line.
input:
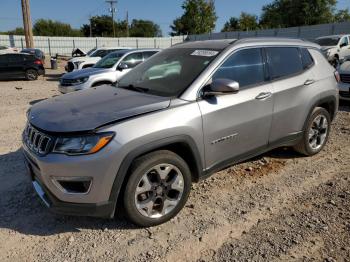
(335, 47)
(77, 63)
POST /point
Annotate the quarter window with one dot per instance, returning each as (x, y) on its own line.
(245, 67)
(284, 61)
(306, 58)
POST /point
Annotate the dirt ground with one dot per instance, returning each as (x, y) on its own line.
(277, 207)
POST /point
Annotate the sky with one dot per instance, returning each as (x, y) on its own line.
(162, 12)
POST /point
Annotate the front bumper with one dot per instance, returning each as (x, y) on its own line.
(344, 91)
(69, 89)
(101, 167)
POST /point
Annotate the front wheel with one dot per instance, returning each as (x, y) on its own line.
(316, 133)
(157, 189)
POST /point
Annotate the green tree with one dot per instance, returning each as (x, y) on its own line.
(248, 22)
(199, 17)
(144, 28)
(102, 27)
(288, 13)
(43, 27)
(342, 16)
(231, 25)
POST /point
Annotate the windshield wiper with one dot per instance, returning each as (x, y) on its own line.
(135, 88)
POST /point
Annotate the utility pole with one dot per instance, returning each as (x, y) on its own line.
(127, 24)
(112, 9)
(27, 24)
(90, 26)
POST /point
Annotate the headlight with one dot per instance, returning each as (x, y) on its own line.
(82, 145)
(80, 81)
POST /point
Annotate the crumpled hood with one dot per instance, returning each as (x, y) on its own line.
(344, 68)
(92, 108)
(84, 73)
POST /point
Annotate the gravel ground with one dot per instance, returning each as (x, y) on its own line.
(279, 206)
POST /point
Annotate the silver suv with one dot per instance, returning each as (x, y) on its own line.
(175, 119)
(106, 71)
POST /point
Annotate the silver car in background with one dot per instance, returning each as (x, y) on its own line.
(184, 114)
(344, 75)
(106, 71)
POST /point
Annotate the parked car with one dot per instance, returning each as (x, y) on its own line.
(185, 113)
(344, 74)
(77, 63)
(106, 71)
(17, 65)
(7, 50)
(335, 47)
(36, 52)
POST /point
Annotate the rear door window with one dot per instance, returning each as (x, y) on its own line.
(284, 61)
(245, 67)
(147, 55)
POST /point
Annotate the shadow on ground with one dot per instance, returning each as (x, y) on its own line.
(53, 77)
(23, 211)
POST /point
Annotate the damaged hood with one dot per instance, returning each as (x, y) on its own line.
(92, 108)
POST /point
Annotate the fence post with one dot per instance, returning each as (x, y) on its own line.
(171, 41)
(299, 32)
(73, 44)
(137, 43)
(48, 41)
(118, 42)
(22, 42)
(96, 42)
(155, 43)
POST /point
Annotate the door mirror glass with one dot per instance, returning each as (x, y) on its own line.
(122, 66)
(222, 86)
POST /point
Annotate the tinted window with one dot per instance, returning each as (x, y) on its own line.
(284, 61)
(306, 58)
(133, 60)
(245, 67)
(147, 55)
(15, 58)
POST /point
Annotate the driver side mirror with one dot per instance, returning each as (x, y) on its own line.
(122, 66)
(342, 45)
(221, 86)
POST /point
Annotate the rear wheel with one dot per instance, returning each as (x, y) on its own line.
(157, 189)
(31, 74)
(316, 134)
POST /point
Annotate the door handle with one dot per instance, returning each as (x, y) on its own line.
(309, 82)
(263, 95)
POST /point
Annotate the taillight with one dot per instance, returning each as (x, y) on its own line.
(337, 76)
(38, 62)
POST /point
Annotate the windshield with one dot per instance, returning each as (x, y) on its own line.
(169, 72)
(90, 51)
(109, 61)
(331, 41)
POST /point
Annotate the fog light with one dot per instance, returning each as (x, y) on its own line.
(71, 185)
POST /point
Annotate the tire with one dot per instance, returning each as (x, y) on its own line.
(315, 136)
(148, 199)
(31, 74)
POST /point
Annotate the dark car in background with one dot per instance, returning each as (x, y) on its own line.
(20, 66)
(36, 52)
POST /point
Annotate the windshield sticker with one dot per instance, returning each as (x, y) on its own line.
(207, 53)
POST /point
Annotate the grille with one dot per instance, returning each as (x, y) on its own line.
(67, 82)
(36, 141)
(344, 94)
(345, 78)
(70, 66)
